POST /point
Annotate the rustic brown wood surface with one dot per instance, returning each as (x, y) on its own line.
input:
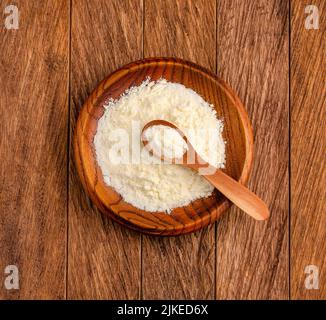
(182, 267)
(62, 245)
(103, 258)
(252, 41)
(308, 99)
(33, 149)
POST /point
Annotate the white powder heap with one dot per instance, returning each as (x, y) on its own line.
(140, 178)
(165, 141)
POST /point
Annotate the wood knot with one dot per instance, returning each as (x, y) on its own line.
(54, 61)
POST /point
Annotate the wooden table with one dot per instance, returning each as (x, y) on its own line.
(64, 248)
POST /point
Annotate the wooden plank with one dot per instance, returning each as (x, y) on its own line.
(308, 141)
(252, 46)
(104, 258)
(33, 144)
(181, 267)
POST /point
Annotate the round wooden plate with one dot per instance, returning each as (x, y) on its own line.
(237, 133)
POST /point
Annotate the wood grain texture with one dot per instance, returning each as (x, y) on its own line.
(183, 267)
(104, 259)
(33, 145)
(252, 55)
(308, 141)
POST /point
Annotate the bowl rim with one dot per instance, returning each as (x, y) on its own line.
(81, 141)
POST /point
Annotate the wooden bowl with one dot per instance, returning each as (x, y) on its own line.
(237, 133)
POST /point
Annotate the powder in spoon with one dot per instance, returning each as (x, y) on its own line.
(140, 178)
(165, 141)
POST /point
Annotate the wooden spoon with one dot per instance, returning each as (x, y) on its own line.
(230, 188)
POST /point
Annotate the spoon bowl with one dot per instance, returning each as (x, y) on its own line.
(145, 142)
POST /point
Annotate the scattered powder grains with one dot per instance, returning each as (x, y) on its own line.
(140, 178)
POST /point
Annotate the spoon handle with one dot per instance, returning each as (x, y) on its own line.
(239, 195)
